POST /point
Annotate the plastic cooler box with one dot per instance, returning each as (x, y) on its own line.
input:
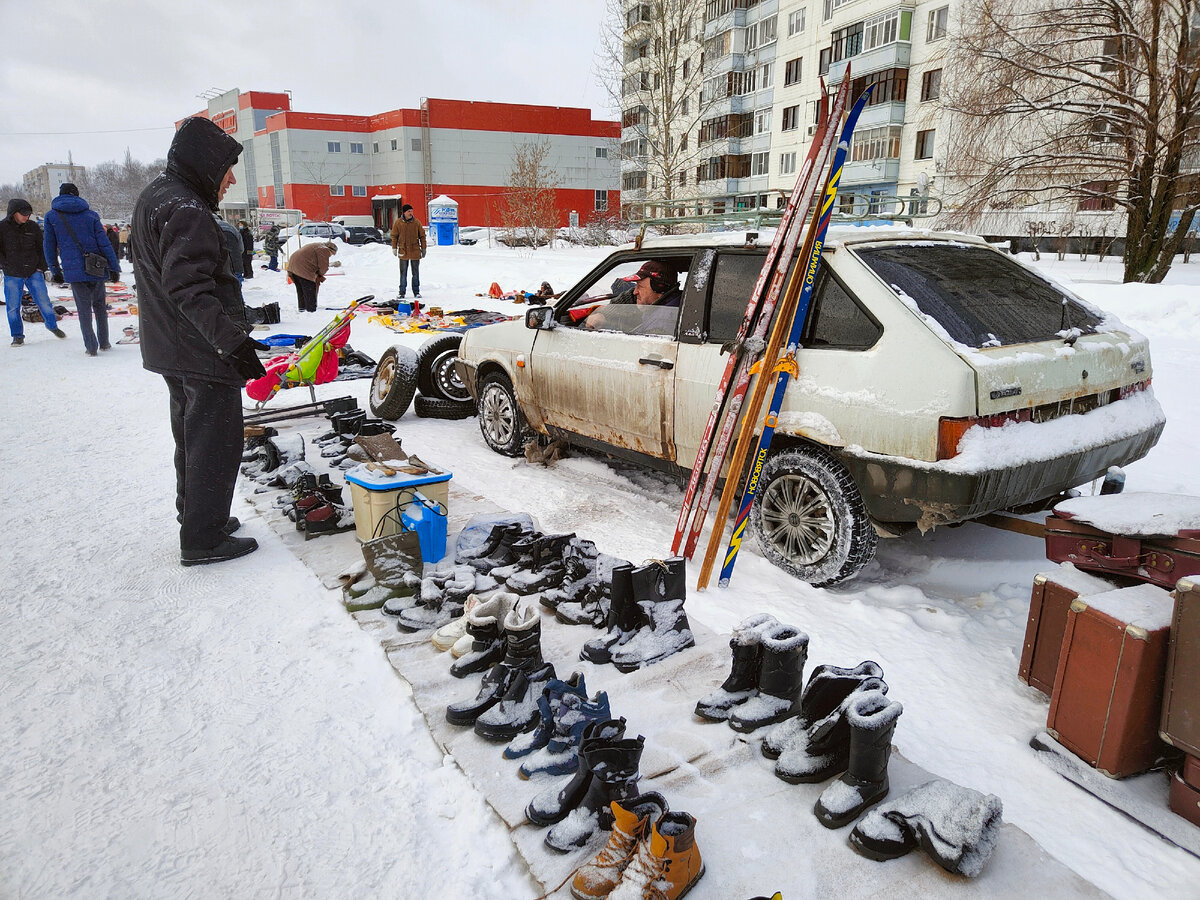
(374, 495)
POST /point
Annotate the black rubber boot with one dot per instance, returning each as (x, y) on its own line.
(624, 618)
(517, 711)
(780, 680)
(824, 749)
(490, 545)
(504, 553)
(549, 705)
(872, 718)
(659, 589)
(542, 568)
(742, 683)
(827, 687)
(485, 626)
(614, 768)
(552, 805)
(522, 654)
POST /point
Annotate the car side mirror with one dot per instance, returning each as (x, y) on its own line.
(541, 317)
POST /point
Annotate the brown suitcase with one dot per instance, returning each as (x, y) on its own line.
(1181, 689)
(1190, 772)
(1107, 695)
(1184, 800)
(1048, 604)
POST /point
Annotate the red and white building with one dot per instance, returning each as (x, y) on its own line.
(330, 165)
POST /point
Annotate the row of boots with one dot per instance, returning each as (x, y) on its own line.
(338, 444)
(317, 506)
(527, 562)
(645, 621)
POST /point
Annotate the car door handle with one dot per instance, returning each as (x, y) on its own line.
(657, 361)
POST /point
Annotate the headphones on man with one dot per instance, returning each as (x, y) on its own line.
(660, 284)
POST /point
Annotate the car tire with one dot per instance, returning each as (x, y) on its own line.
(436, 372)
(501, 421)
(437, 408)
(810, 519)
(394, 383)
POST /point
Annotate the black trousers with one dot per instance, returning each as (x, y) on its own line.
(306, 294)
(206, 420)
(247, 265)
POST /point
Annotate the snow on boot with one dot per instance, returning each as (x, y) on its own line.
(625, 617)
(659, 588)
(552, 805)
(872, 718)
(614, 768)
(667, 864)
(827, 687)
(503, 554)
(485, 626)
(823, 749)
(520, 554)
(589, 608)
(780, 679)
(561, 755)
(517, 711)
(956, 826)
(447, 636)
(522, 655)
(742, 683)
(404, 599)
(579, 572)
(546, 569)
(553, 696)
(632, 820)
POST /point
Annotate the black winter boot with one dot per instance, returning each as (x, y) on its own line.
(522, 654)
(552, 805)
(827, 687)
(742, 683)
(780, 680)
(614, 768)
(485, 626)
(517, 711)
(503, 554)
(624, 618)
(659, 587)
(543, 567)
(872, 719)
(824, 749)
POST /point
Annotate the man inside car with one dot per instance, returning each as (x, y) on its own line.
(655, 285)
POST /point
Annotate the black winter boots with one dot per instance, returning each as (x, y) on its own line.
(827, 687)
(784, 650)
(522, 664)
(742, 683)
(823, 749)
(872, 718)
(624, 617)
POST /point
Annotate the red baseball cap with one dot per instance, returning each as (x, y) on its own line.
(649, 269)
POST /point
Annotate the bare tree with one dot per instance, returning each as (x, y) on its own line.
(529, 215)
(324, 172)
(112, 188)
(1089, 104)
(651, 64)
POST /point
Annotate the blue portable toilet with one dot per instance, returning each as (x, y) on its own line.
(443, 220)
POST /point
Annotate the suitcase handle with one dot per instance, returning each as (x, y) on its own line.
(1096, 552)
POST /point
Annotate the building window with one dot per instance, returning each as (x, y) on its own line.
(764, 75)
(762, 120)
(791, 71)
(687, 68)
(938, 19)
(931, 85)
(766, 31)
(925, 144)
(394, 145)
(683, 178)
(601, 153)
(760, 163)
(415, 143)
(375, 146)
(751, 38)
(832, 6)
(683, 142)
(356, 147)
(796, 22)
(880, 142)
(334, 146)
(791, 118)
(883, 29)
(337, 190)
(359, 190)
(683, 107)
(601, 201)
(1101, 199)
(787, 163)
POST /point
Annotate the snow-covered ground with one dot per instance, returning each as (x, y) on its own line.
(230, 731)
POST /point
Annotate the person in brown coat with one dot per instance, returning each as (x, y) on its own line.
(408, 244)
(308, 266)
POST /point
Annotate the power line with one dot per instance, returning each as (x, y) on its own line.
(56, 133)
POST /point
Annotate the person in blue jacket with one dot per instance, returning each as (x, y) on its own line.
(72, 229)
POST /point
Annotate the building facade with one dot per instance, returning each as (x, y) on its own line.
(330, 165)
(41, 184)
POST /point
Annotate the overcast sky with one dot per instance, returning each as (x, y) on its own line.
(92, 78)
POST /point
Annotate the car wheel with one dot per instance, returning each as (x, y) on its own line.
(810, 519)
(436, 373)
(500, 418)
(437, 408)
(394, 383)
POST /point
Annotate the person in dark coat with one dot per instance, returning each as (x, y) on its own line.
(233, 243)
(247, 249)
(72, 229)
(271, 244)
(194, 333)
(114, 238)
(24, 266)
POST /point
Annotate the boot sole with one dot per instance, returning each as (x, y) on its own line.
(204, 561)
(814, 777)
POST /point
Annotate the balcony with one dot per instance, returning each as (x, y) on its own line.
(889, 56)
(871, 172)
(882, 114)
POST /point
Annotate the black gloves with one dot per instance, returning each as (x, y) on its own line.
(57, 278)
(114, 277)
(246, 362)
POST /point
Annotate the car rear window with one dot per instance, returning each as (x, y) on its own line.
(980, 297)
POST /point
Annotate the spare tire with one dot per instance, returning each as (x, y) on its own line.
(437, 408)
(437, 376)
(394, 383)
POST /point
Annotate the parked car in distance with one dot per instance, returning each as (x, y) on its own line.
(321, 230)
(471, 234)
(939, 380)
(361, 234)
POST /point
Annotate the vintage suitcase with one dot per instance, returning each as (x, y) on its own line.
(1184, 800)
(1150, 537)
(1048, 604)
(1190, 771)
(1180, 725)
(1107, 697)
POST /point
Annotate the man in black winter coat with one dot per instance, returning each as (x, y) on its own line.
(247, 250)
(193, 333)
(24, 266)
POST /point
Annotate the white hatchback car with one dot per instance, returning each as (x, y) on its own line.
(939, 380)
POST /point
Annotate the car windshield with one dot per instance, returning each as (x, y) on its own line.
(980, 297)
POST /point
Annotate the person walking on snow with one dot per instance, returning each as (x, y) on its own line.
(271, 244)
(123, 237)
(247, 249)
(408, 244)
(73, 229)
(194, 333)
(24, 267)
(308, 266)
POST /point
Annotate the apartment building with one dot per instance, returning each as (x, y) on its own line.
(41, 184)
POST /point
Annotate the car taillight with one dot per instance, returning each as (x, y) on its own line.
(1134, 388)
(951, 431)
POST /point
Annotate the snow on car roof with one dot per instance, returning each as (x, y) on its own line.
(837, 236)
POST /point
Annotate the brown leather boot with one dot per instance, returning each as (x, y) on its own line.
(631, 824)
(667, 863)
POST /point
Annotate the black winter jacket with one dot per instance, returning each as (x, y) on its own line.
(189, 302)
(20, 245)
(247, 239)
